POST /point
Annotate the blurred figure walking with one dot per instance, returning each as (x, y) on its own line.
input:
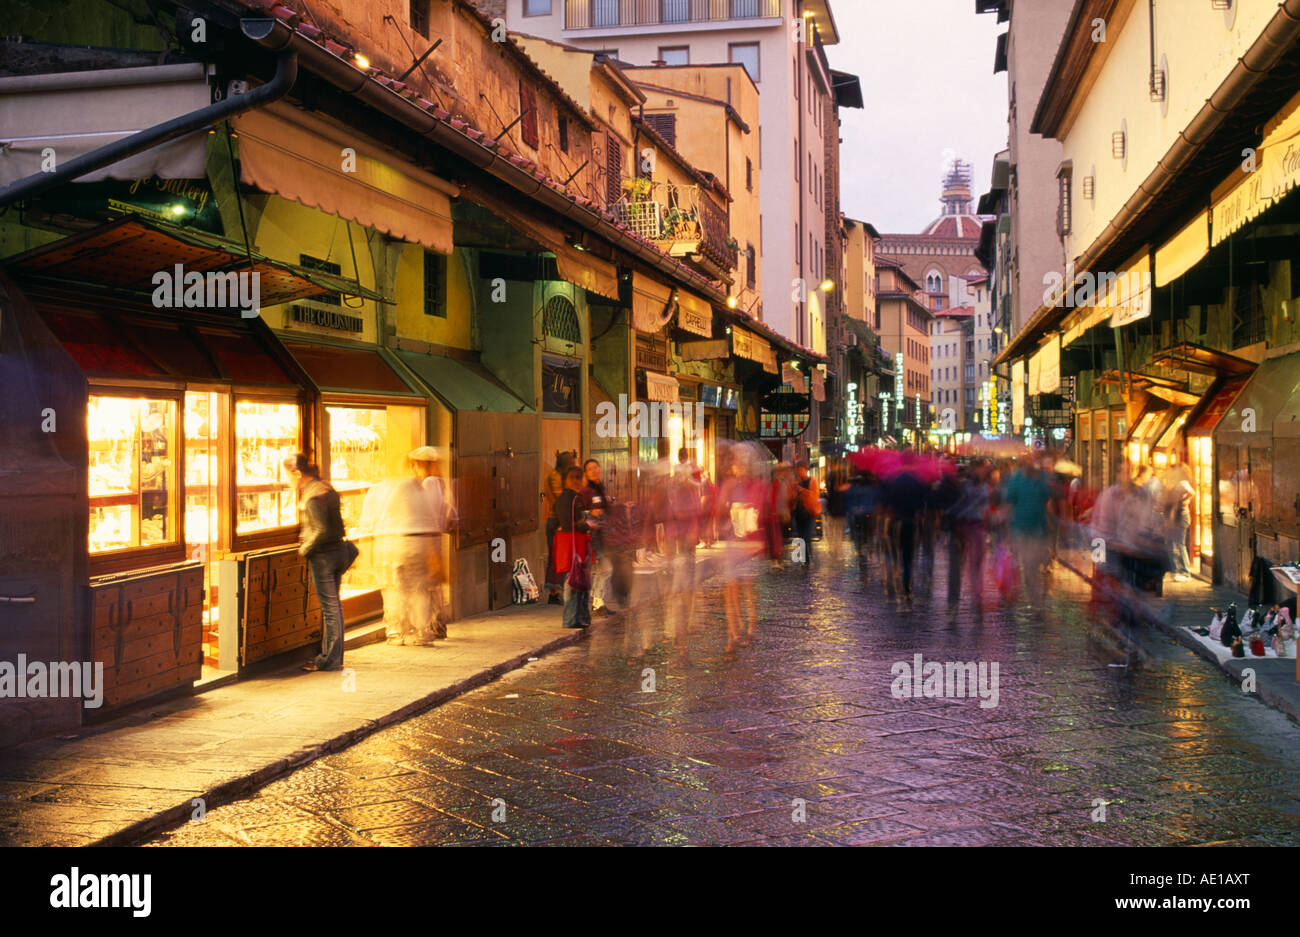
(405, 519)
(1027, 496)
(806, 509)
(739, 511)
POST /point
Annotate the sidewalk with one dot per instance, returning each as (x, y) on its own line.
(124, 779)
(1187, 605)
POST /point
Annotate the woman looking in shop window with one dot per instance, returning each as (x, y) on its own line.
(321, 543)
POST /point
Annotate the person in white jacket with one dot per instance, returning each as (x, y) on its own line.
(407, 519)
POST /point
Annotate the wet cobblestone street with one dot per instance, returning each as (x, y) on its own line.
(799, 740)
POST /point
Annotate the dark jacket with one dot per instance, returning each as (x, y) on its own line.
(566, 512)
(319, 518)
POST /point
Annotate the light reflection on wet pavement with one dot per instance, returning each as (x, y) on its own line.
(799, 740)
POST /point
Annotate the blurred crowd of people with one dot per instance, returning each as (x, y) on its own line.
(999, 522)
(755, 511)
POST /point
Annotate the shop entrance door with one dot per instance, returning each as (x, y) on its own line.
(500, 559)
(559, 436)
(206, 442)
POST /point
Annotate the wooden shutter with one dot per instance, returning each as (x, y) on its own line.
(665, 125)
(613, 168)
(524, 469)
(474, 500)
(528, 108)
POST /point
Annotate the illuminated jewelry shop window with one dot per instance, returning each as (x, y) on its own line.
(266, 433)
(132, 472)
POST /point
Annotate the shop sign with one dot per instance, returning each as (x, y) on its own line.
(784, 415)
(704, 351)
(694, 315)
(852, 415)
(818, 385)
(792, 376)
(750, 346)
(560, 384)
(900, 372)
(327, 319)
(185, 202)
(1085, 427)
(651, 352)
(1276, 173)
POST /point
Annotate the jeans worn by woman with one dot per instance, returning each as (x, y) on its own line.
(327, 568)
(577, 607)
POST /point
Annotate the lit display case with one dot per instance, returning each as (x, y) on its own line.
(266, 433)
(132, 472)
(367, 445)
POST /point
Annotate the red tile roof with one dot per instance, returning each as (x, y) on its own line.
(314, 34)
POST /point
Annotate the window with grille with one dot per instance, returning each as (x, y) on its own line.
(613, 168)
(564, 134)
(751, 259)
(560, 320)
(749, 174)
(435, 285)
(1063, 215)
(324, 266)
(419, 17)
(528, 110)
(665, 125)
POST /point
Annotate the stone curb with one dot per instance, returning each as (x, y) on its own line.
(239, 788)
(1264, 691)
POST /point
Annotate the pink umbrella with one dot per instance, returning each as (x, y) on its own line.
(879, 462)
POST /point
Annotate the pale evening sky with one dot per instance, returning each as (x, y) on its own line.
(926, 68)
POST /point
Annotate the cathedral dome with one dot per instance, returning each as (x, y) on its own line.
(957, 220)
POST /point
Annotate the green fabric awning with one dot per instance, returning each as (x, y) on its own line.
(463, 385)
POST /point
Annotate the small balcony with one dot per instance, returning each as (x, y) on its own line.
(682, 220)
(612, 14)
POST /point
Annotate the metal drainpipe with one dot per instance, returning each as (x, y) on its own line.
(275, 35)
(286, 72)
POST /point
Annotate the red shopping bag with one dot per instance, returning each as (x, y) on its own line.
(565, 547)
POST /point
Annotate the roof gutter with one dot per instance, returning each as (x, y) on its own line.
(278, 37)
(1264, 53)
(286, 72)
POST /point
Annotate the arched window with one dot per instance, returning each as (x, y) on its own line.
(934, 282)
(560, 320)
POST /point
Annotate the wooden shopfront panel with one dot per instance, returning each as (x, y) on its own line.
(281, 611)
(147, 630)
